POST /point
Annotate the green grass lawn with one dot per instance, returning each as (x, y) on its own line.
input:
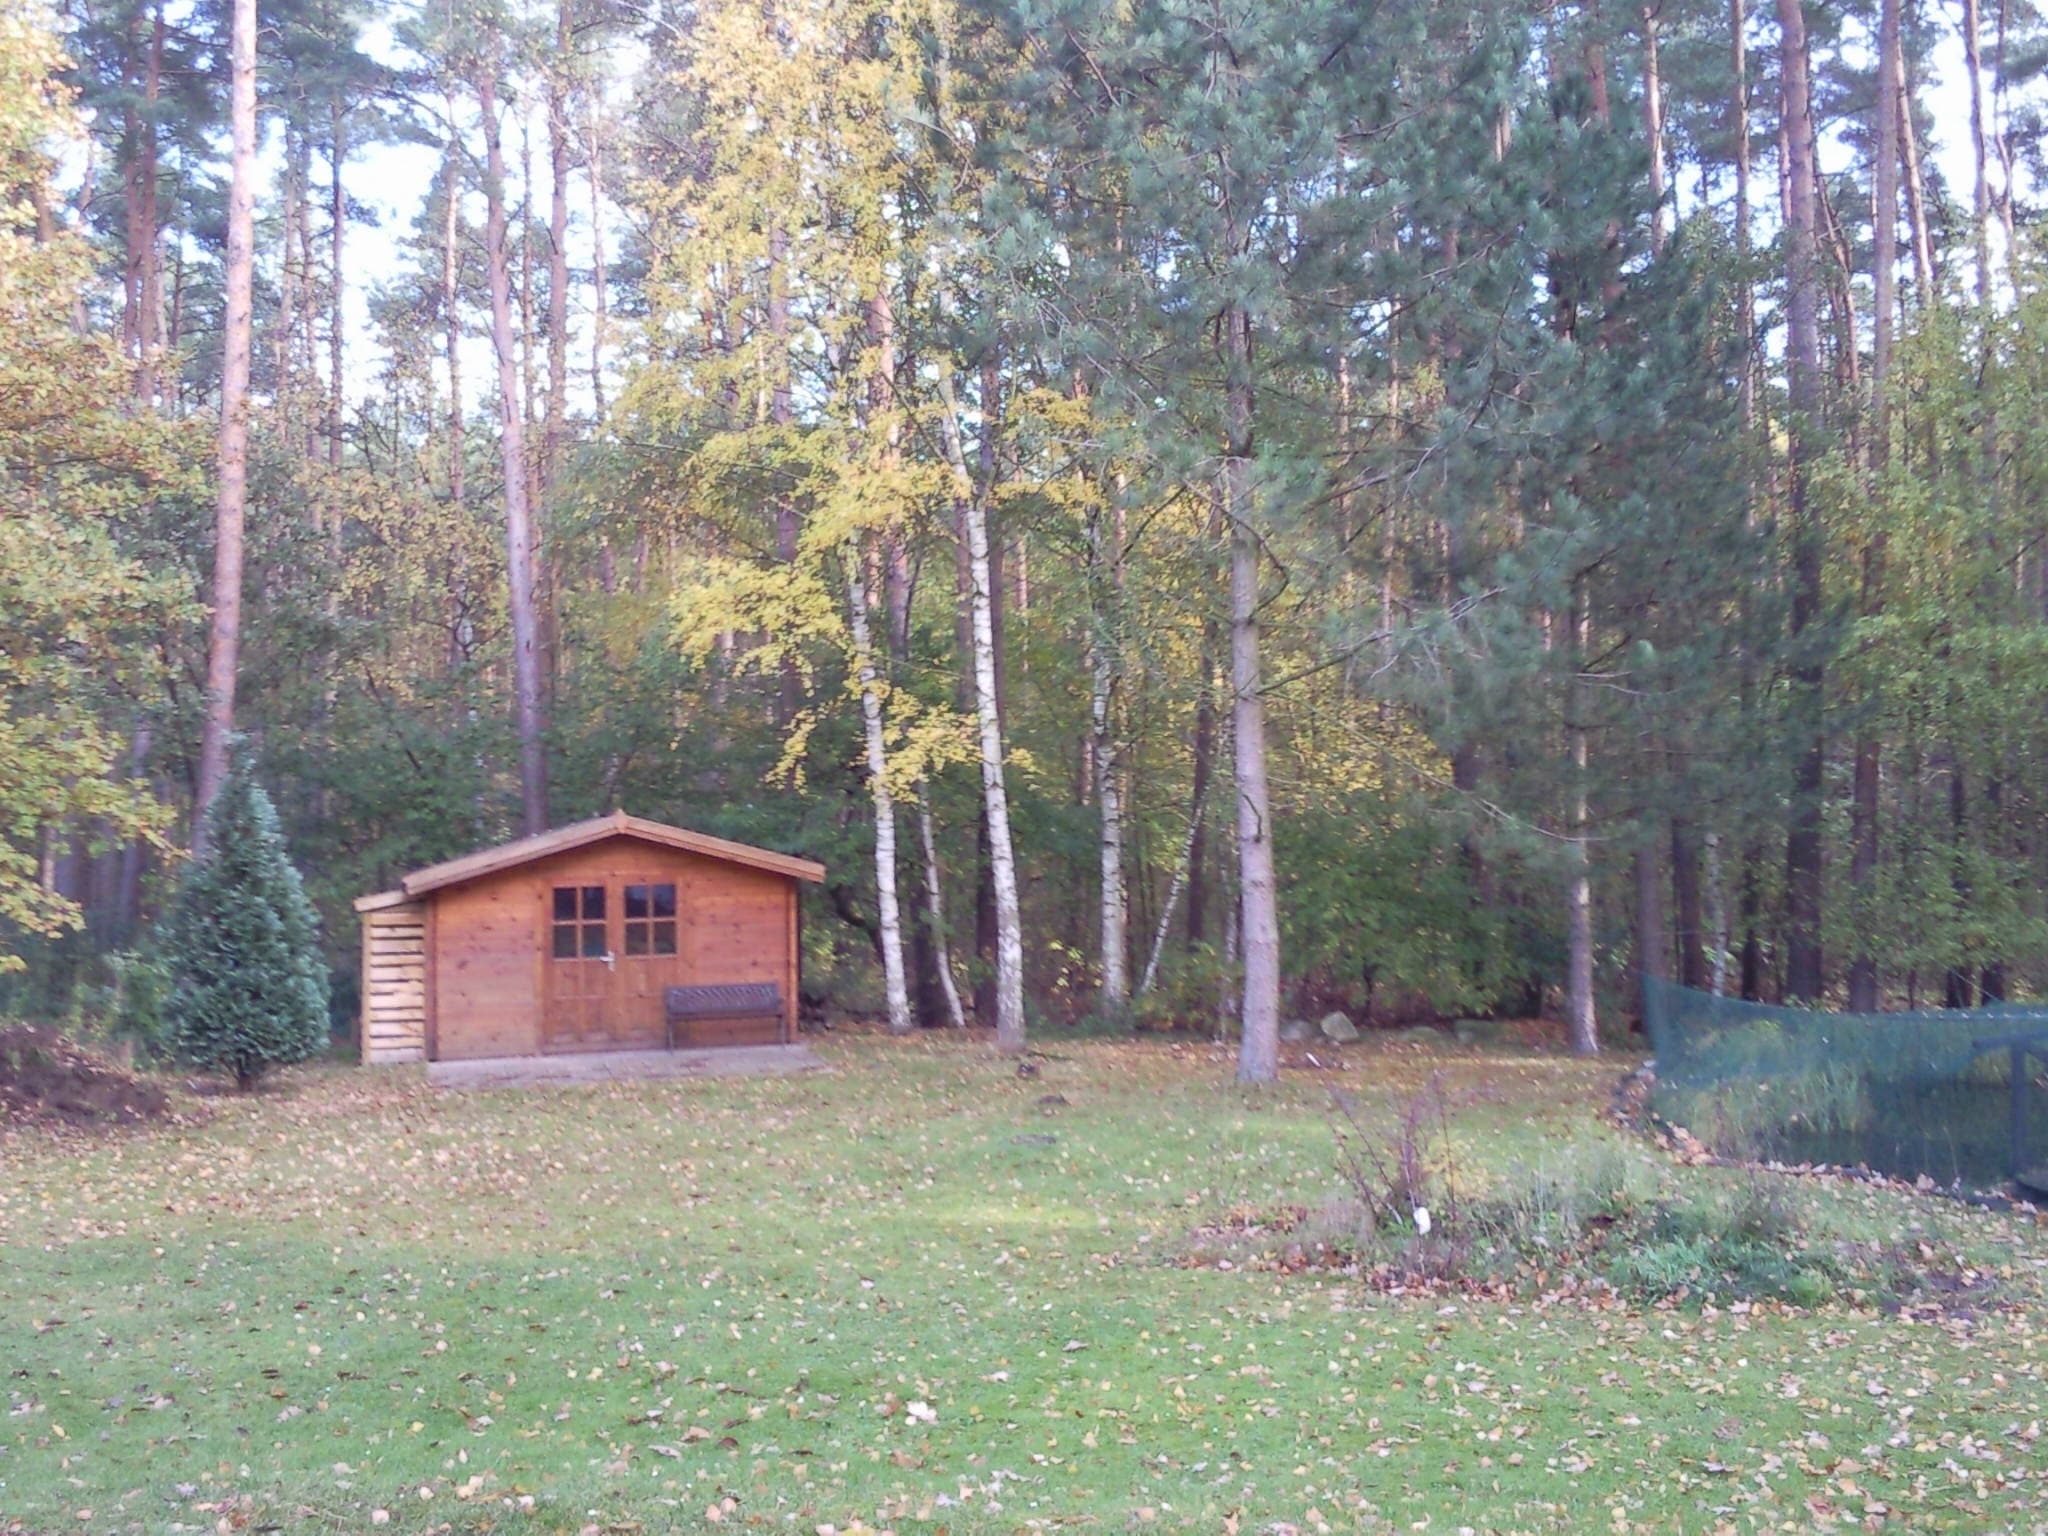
(906, 1295)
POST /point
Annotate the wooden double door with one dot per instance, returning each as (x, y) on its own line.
(613, 945)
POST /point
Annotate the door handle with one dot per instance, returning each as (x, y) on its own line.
(611, 961)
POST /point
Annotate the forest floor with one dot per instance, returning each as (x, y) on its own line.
(921, 1293)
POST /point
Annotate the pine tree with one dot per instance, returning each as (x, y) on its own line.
(224, 642)
(248, 987)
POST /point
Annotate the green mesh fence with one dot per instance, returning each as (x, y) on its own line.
(1929, 1092)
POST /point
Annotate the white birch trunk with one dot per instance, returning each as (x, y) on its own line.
(1179, 884)
(1116, 985)
(887, 908)
(988, 720)
(1258, 1051)
(935, 909)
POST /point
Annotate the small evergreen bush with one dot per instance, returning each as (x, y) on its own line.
(241, 943)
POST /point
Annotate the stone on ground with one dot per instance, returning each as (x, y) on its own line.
(1294, 1031)
(1337, 1026)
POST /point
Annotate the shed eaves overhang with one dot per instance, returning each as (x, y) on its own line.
(489, 861)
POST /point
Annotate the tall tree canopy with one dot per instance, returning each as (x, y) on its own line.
(1197, 511)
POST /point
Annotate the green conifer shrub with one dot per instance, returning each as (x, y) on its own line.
(248, 988)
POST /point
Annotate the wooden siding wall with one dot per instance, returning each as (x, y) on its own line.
(394, 1019)
(490, 940)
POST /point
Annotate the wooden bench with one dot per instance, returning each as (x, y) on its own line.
(729, 1000)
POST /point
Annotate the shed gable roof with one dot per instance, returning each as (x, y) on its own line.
(490, 861)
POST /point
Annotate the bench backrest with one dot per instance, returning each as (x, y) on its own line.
(730, 1000)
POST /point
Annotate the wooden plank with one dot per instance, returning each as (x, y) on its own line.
(431, 911)
(789, 965)
(393, 965)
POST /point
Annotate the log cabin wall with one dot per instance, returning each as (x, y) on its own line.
(394, 983)
(519, 957)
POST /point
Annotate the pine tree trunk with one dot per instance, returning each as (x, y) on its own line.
(1717, 917)
(1258, 1053)
(1749, 855)
(526, 680)
(337, 231)
(1884, 257)
(150, 319)
(600, 287)
(134, 853)
(224, 638)
(1653, 940)
(305, 340)
(887, 908)
(131, 237)
(282, 322)
(1916, 190)
(1686, 897)
(555, 422)
(1980, 184)
(1991, 977)
(1956, 978)
(1581, 1022)
(1803, 972)
(1653, 127)
(451, 306)
(782, 416)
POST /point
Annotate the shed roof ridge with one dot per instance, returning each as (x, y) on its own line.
(576, 834)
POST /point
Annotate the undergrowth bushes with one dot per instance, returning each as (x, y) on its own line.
(1602, 1215)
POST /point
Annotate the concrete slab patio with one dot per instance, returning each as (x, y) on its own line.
(624, 1066)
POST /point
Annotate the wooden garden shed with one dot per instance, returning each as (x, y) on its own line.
(571, 941)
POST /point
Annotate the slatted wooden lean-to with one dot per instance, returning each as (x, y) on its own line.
(571, 941)
(394, 1024)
